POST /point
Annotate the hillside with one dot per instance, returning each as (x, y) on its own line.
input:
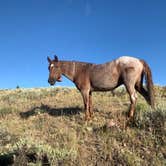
(46, 127)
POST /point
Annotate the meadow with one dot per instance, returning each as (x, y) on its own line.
(46, 126)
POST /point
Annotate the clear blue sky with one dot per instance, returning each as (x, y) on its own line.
(84, 30)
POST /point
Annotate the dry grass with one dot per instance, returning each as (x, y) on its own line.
(47, 127)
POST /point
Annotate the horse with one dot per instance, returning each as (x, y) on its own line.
(90, 77)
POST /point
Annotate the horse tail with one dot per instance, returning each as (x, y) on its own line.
(149, 83)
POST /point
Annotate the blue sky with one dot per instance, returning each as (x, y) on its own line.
(85, 30)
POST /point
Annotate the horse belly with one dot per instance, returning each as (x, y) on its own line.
(104, 83)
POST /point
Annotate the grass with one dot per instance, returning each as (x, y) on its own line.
(46, 126)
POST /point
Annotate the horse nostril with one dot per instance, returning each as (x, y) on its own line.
(51, 81)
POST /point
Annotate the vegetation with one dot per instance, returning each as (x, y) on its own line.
(46, 126)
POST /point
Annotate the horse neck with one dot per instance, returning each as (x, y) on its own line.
(68, 69)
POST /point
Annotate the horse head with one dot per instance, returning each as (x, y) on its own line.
(54, 70)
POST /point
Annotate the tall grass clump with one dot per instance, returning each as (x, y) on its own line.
(6, 111)
(149, 119)
(32, 151)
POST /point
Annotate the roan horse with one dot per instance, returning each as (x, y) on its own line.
(90, 77)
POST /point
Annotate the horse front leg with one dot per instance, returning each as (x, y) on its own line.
(85, 95)
(90, 105)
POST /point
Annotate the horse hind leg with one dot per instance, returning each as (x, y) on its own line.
(133, 98)
(133, 104)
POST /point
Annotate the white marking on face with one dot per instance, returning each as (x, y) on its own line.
(52, 65)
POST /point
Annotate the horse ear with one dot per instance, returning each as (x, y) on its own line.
(55, 58)
(49, 60)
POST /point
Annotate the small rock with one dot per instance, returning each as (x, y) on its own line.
(89, 128)
(111, 123)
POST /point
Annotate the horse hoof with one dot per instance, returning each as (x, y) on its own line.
(92, 115)
(87, 118)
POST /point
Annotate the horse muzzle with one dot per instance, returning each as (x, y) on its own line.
(51, 82)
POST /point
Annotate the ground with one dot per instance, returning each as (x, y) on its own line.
(46, 126)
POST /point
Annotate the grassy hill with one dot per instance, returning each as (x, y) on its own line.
(46, 127)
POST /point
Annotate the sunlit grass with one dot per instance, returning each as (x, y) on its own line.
(47, 126)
